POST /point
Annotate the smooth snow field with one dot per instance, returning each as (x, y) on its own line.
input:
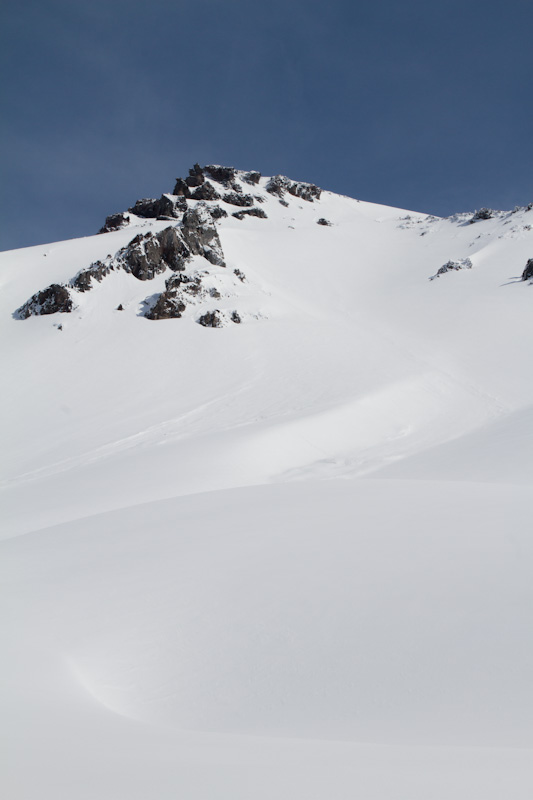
(287, 558)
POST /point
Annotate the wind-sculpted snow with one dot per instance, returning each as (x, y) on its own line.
(277, 543)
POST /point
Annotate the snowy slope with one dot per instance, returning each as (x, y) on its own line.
(290, 556)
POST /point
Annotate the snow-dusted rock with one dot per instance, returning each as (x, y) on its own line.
(224, 175)
(205, 192)
(83, 281)
(238, 199)
(201, 235)
(115, 222)
(482, 214)
(451, 266)
(279, 185)
(250, 212)
(167, 207)
(54, 299)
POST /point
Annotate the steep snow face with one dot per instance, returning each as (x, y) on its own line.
(304, 518)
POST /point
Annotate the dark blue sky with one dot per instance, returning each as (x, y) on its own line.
(424, 105)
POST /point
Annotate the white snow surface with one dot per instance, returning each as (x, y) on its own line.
(291, 558)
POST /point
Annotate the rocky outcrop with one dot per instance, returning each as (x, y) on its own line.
(306, 191)
(483, 213)
(196, 187)
(52, 300)
(115, 222)
(251, 212)
(527, 274)
(217, 319)
(205, 192)
(217, 212)
(251, 177)
(200, 234)
(146, 255)
(174, 250)
(224, 175)
(170, 303)
(167, 207)
(166, 307)
(196, 176)
(194, 208)
(190, 285)
(181, 188)
(323, 221)
(211, 319)
(451, 266)
(238, 199)
(279, 184)
(82, 282)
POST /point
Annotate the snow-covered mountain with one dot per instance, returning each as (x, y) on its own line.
(268, 478)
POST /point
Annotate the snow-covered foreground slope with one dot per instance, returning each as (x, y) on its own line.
(288, 557)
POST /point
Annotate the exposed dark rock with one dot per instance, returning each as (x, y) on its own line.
(307, 191)
(97, 271)
(200, 233)
(323, 221)
(115, 222)
(167, 207)
(183, 282)
(181, 189)
(52, 300)
(483, 213)
(527, 274)
(284, 203)
(142, 257)
(211, 319)
(150, 253)
(240, 275)
(235, 317)
(174, 252)
(196, 176)
(167, 306)
(223, 175)
(251, 177)
(172, 302)
(278, 185)
(205, 192)
(238, 199)
(214, 293)
(450, 266)
(217, 212)
(193, 286)
(251, 212)
(120, 307)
